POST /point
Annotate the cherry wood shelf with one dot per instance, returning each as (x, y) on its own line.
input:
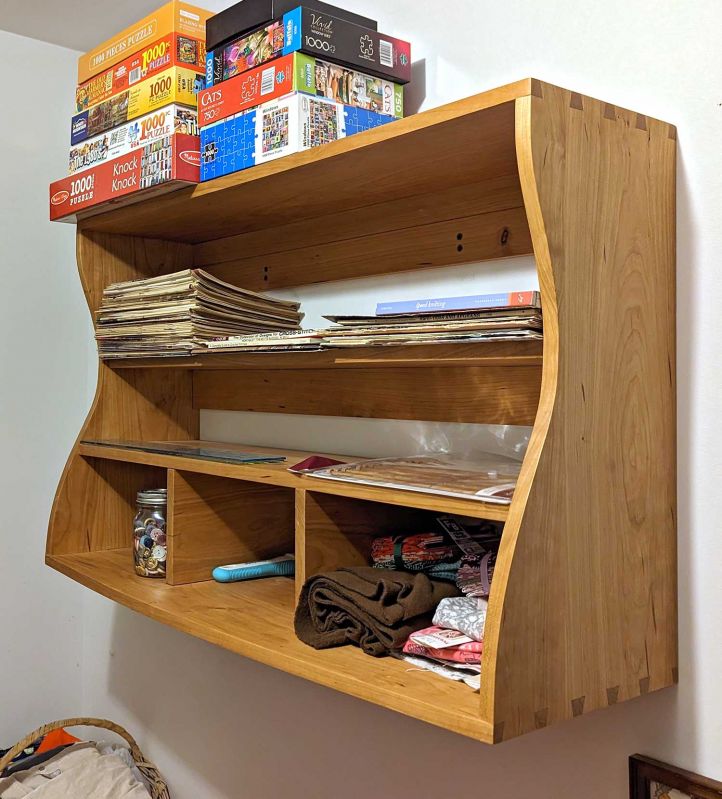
(277, 474)
(487, 353)
(582, 613)
(255, 619)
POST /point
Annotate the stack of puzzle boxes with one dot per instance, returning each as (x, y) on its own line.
(281, 78)
(135, 127)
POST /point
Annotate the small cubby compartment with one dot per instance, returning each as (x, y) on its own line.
(214, 521)
(101, 516)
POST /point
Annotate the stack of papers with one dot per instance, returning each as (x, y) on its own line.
(370, 331)
(181, 313)
(432, 328)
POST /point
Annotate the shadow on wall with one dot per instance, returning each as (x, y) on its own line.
(229, 727)
(415, 92)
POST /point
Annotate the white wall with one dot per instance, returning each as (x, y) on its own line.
(44, 357)
(220, 726)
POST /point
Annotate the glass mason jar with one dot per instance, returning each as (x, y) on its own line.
(149, 541)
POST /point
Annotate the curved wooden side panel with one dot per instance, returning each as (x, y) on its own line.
(129, 404)
(583, 609)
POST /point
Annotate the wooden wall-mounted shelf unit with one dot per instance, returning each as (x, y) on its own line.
(583, 608)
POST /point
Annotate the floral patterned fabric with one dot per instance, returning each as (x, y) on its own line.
(463, 613)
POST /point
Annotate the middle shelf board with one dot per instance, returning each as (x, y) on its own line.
(277, 474)
(255, 619)
(487, 353)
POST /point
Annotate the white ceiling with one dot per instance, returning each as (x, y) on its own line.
(78, 24)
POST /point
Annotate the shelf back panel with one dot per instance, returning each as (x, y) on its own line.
(486, 395)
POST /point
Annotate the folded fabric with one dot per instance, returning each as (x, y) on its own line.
(371, 608)
(78, 771)
(467, 614)
(412, 552)
(460, 653)
(451, 671)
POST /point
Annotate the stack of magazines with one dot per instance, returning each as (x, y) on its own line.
(487, 317)
(181, 313)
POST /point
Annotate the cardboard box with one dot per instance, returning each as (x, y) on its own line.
(172, 50)
(248, 15)
(272, 130)
(299, 73)
(174, 85)
(173, 17)
(320, 35)
(164, 164)
(132, 136)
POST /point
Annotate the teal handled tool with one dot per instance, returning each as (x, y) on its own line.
(285, 566)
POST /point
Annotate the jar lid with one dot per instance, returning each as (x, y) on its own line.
(153, 496)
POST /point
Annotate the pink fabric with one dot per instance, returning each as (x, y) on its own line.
(462, 653)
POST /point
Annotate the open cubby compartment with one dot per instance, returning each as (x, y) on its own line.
(101, 517)
(334, 532)
(582, 613)
(216, 521)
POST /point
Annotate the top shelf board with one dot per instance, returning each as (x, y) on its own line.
(466, 142)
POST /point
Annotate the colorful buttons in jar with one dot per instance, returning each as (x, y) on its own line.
(149, 538)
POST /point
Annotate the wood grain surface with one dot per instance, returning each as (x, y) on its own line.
(583, 605)
(254, 619)
(217, 521)
(490, 395)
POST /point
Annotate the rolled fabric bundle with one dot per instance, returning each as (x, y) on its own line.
(466, 614)
(374, 609)
(418, 552)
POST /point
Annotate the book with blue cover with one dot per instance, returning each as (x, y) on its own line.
(515, 299)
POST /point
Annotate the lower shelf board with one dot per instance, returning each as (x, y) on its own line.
(255, 619)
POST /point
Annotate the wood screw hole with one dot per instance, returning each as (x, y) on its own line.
(459, 236)
(460, 248)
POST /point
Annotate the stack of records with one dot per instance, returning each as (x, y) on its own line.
(179, 314)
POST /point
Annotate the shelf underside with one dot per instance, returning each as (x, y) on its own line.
(410, 157)
(277, 474)
(255, 619)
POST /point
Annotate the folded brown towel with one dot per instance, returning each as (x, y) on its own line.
(371, 608)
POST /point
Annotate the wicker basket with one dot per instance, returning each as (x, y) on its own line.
(158, 788)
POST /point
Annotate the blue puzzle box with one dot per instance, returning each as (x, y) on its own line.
(272, 130)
